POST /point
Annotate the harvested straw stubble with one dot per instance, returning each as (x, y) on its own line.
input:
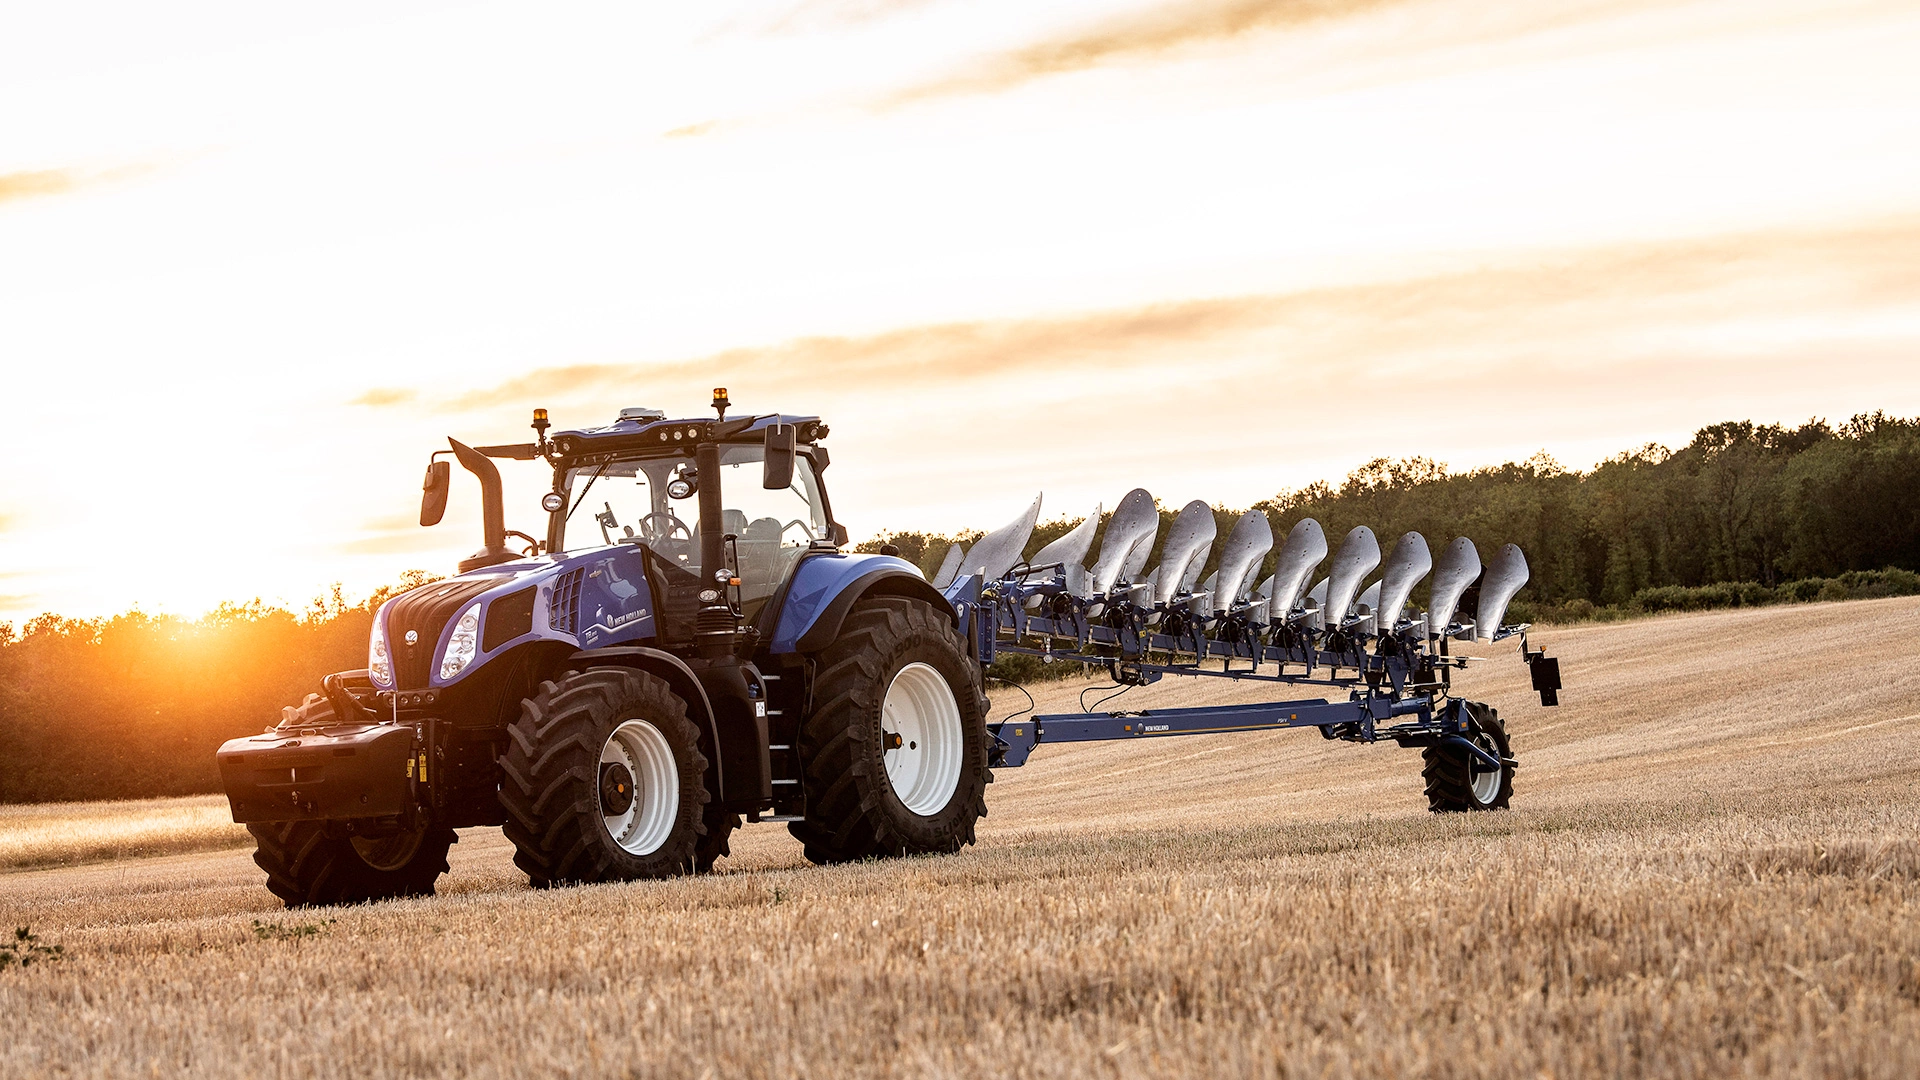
(1712, 872)
(61, 834)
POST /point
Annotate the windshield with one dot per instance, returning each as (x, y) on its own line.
(627, 500)
(624, 500)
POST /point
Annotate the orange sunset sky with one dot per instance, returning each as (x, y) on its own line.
(257, 261)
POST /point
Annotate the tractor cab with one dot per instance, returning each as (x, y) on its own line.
(714, 515)
(650, 496)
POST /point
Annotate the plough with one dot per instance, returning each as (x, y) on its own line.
(1394, 662)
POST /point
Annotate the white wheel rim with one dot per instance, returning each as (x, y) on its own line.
(923, 743)
(1486, 785)
(388, 853)
(643, 827)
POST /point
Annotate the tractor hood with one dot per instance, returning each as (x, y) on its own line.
(586, 599)
(591, 599)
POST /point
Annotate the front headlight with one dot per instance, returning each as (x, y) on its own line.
(463, 644)
(379, 664)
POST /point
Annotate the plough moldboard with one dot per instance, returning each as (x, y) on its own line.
(1394, 662)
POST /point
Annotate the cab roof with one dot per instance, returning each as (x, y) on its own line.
(636, 429)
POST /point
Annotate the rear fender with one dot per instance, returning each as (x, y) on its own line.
(825, 588)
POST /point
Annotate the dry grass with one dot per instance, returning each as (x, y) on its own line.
(1713, 871)
(63, 834)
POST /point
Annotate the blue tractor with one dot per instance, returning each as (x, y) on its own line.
(690, 645)
(687, 646)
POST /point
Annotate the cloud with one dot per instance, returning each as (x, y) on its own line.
(420, 540)
(918, 356)
(380, 397)
(810, 15)
(25, 185)
(1583, 352)
(1561, 308)
(692, 131)
(391, 523)
(391, 534)
(1156, 31)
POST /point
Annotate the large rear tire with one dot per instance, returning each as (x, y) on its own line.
(894, 753)
(1457, 781)
(603, 780)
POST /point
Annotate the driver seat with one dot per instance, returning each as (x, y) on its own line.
(731, 521)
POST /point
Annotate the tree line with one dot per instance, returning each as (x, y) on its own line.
(135, 704)
(1744, 513)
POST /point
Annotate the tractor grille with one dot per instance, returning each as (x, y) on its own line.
(426, 611)
(565, 603)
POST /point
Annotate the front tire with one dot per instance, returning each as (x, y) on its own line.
(310, 863)
(1457, 781)
(716, 844)
(603, 780)
(895, 752)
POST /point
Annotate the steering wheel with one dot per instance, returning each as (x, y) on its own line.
(533, 546)
(663, 526)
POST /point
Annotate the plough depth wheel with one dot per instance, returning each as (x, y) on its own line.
(1456, 780)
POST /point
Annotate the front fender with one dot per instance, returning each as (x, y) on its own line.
(678, 676)
(825, 588)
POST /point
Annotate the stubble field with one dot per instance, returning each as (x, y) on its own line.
(1711, 870)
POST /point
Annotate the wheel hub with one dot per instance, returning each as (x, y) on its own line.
(639, 787)
(921, 740)
(1486, 780)
(616, 788)
(388, 852)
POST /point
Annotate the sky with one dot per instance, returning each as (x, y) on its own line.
(258, 261)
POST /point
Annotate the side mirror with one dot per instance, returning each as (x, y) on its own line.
(433, 492)
(778, 451)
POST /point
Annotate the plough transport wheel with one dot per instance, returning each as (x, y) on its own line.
(1458, 781)
(895, 749)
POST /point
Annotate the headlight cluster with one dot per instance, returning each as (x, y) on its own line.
(463, 644)
(379, 663)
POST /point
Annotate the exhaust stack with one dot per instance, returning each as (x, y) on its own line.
(493, 514)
